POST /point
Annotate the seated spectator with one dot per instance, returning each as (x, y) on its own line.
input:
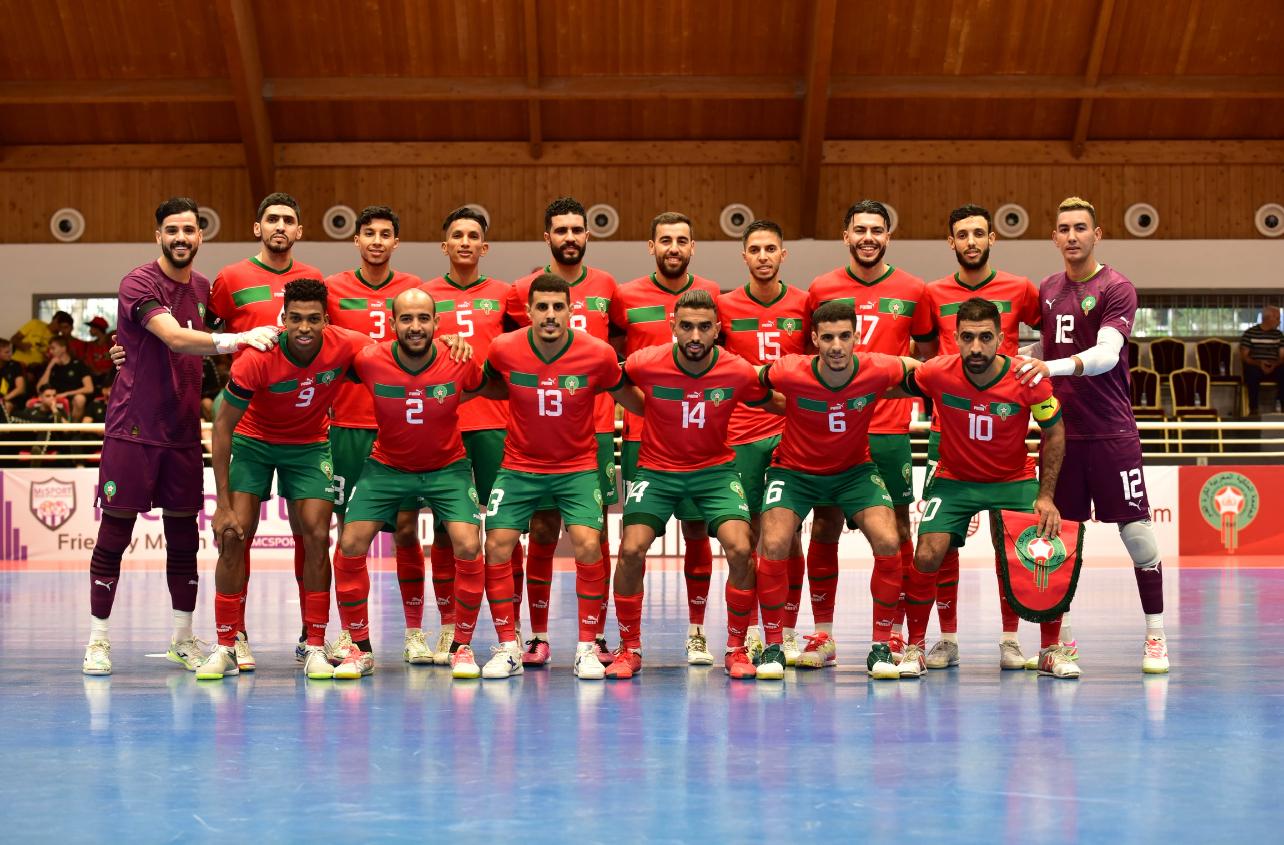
(95, 353)
(46, 410)
(1261, 352)
(97, 411)
(69, 377)
(13, 378)
(32, 340)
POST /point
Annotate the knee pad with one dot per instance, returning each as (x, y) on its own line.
(1139, 539)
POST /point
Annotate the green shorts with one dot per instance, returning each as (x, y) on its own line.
(303, 470)
(716, 494)
(853, 490)
(933, 456)
(384, 491)
(485, 449)
(752, 460)
(951, 504)
(891, 453)
(686, 509)
(605, 474)
(517, 495)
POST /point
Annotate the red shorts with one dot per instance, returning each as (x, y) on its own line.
(139, 476)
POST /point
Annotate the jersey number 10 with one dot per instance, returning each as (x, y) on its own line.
(980, 427)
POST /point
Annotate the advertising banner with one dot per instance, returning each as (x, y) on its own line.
(1231, 510)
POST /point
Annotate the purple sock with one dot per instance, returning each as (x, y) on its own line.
(181, 543)
(1150, 586)
(104, 566)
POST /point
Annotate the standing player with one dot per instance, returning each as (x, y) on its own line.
(762, 322)
(885, 299)
(643, 312)
(689, 390)
(251, 293)
(361, 300)
(1088, 312)
(417, 460)
(984, 466)
(971, 235)
(275, 420)
(824, 460)
(152, 440)
(592, 292)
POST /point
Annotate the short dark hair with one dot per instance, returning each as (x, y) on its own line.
(60, 340)
(867, 207)
(697, 298)
(963, 212)
(466, 213)
(379, 212)
(175, 205)
(278, 198)
(549, 283)
(305, 290)
(62, 317)
(978, 310)
(668, 218)
(834, 311)
(563, 205)
(762, 226)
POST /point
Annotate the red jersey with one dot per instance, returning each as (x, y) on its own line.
(551, 401)
(591, 297)
(983, 428)
(96, 355)
(249, 293)
(1016, 297)
(642, 309)
(885, 309)
(417, 410)
(287, 402)
(762, 332)
(356, 303)
(827, 428)
(475, 313)
(685, 426)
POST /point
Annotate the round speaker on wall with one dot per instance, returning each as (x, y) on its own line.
(1011, 220)
(339, 222)
(734, 219)
(1141, 220)
(895, 218)
(1269, 220)
(67, 225)
(209, 222)
(603, 220)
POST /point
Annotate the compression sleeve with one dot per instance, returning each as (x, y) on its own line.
(1097, 359)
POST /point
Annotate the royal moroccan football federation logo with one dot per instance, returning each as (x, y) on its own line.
(572, 384)
(1089, 302)
(53, 501)
(1040, 555)
(1003, 410)
(328, 469)
(109, 490)
(739, 490)
(440, 393)
(1228, 502)
(597, 497)
(717, 396)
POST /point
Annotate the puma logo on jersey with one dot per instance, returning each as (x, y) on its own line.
(1125, 321)
(548, 382)
(980, 406)
(1136, 505)
(1049, 302)
(418, 391)
(98, 583)
(866, 306)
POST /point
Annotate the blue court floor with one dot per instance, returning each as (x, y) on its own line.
(677, 755)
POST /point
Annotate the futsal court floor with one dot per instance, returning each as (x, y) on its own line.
(678, 754)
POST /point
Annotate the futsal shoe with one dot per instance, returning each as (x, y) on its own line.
(339, 652)
(416, 651)
(771, 666)
(603, 651)
(441, 655)
(587, 667)
(626, 664)
(1154, 660)
(188, 653)
(505, 661)
(943, 655)
(881, 663)
(738, 665)
(462, 663)
(897, 645)
(301, 651)
(1010, 655)
(790, 648)
(755, 644)
(1055, 662)
(821, 652)
(97, 658)
(244, 657)
(316, 665)
(356, 665)
(698, 653)
(220, 664)
(912, 664)
(1072, 649)
(537, 652)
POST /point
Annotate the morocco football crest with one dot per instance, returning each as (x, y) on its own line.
(1039, 573)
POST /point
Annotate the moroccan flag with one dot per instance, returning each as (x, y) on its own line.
(1039, 573)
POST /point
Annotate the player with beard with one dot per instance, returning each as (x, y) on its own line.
(643, 313)
(251, 293)
(885, 300)
(1088, 313)
(592, 292)
(970, 236)
(152, 439)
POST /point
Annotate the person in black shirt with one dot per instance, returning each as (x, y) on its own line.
(73, 380)
(13, 378)
(1261, 352)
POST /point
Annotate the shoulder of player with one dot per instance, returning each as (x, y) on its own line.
(905, 278)
(1112, 279)
(729, 361)
(649, 355)
(707, 284)
(601, 277)
(299, 270)
(343, 277)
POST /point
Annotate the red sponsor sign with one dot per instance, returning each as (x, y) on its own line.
(1231, 510)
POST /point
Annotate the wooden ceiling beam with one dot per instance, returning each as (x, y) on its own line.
(1091, 74)
(530, 20)
(820, 59)
(240, 43)
(98, 91)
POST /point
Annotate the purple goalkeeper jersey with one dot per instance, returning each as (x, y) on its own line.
(156, 397)
(1094, 407)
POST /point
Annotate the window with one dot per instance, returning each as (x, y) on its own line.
(82, 308)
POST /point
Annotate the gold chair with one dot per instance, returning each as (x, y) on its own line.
(1189, 389)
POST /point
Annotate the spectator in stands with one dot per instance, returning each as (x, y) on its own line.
(32, 340)
(48, 409)
(69, 377)
(13, 378)
(96, 353)
(97, 410)
(1261, 351)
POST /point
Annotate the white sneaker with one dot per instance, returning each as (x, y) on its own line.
(188, 653)
(698, 653)
(317, 665)
(881, 663)
(1154, 659)
(244, 657)
(821, 652)
(301, 651)
(220, 664)
(97, 658)
(1010, 655)
(912, 664)
(505, 661)
(1056, 662)
(356, 665)
(791, 648)
(587, 666)
(441, 654)
(339, 651)
(416, 651)
(755, 645)
(463, 664)
(943, 655)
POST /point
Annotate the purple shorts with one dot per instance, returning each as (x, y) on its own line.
(139, 476)
(1105, 477)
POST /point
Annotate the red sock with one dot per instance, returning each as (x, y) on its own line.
(793, 596)
(822, 576)
(499, 595)
(697, 568)
(1049, 633)
(947, 593)
(606, 594)
(590, 589)
(628, 612)
(539, 583)
(1010, 618)
(739, 604)
(300, 554)
(519, 580)
(352, 589)
(227, 612)
(773, 594)
(907, 563)
(919, 597)
(885, 587)
(470, 586)
(410, 578)
(753, 611)
(316, 615)
(443, 581)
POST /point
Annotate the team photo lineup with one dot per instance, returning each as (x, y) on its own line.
(749, 406)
